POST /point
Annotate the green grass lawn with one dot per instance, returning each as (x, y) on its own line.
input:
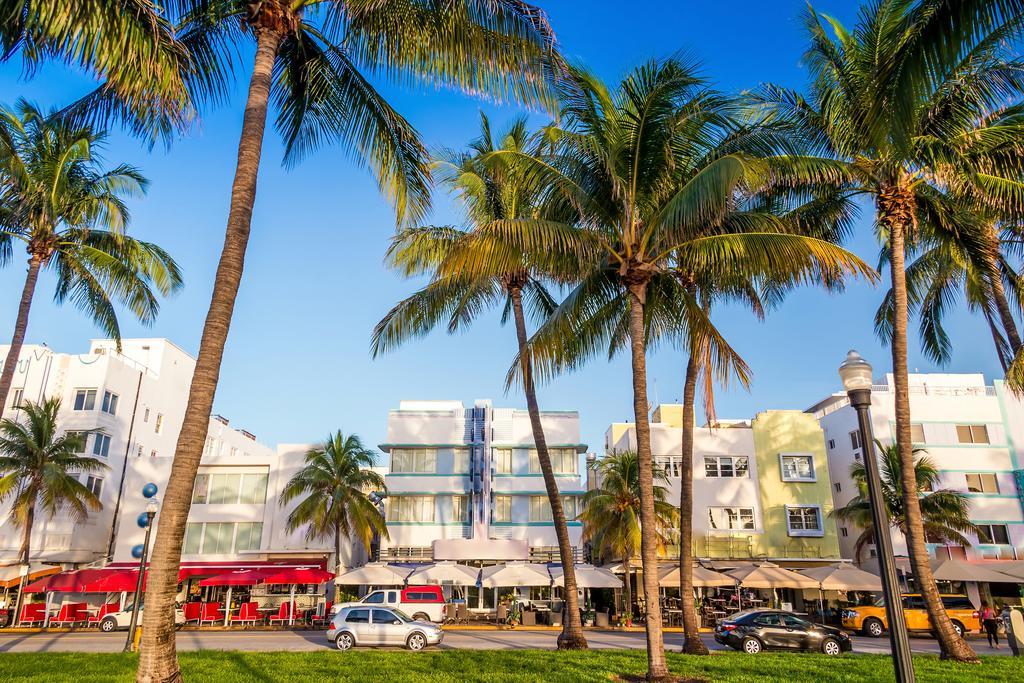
(494, 666)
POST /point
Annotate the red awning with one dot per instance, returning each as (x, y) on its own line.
(242, 577)
(115, 581)
(76, 581)
(288, 575)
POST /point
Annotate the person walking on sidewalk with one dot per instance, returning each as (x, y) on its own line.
(990, 622)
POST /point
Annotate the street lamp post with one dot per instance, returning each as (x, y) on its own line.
(855, 373)
(145, 520)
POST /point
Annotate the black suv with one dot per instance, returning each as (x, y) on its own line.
(754, 630)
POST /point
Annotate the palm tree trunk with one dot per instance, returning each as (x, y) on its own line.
(656, 667)
(20, 326)
(571, 637)
(158, 662)
(26, 544)
(692, 644)
(896, 211)
(337, 559)
(995, 277)
(628, 596)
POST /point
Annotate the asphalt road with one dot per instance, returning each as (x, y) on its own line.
(454, 639)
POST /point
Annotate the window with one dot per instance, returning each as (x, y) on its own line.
(374, 598)
(804, 520)
(145, 415)
(254, 489)
(563, 460)
(797, 467)
(972, 433)
(982, 482)
(831, 444)
(217, 538)
(726, 466)
(414, 460)
(993, 534)
(503, 508)
(83, 440)
(224, 488)
(140, 451)
(228, 489)
(503, 460)
(916, 432)
(570, 507)
(358, 616)
(94, 484)
(722, 518)
(109, 403)
(460, 461)
(158, 426)
(838, 487)
(843, 532)
(85, 399)
(152, 454)
(201, 490)
(460, 509)
(193, 536)
(17, 395)
(382, 616)
(248, 536)
(221, 538)
(670, 465)
(101, 445)
(540, 510)
(855, 440)
(411, 509)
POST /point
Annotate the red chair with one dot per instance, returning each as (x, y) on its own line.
(284, 615)
(192, 610)
(247, 613)
(70, 614)
(105, 609)
(321, 618)
(32, 613)
(212, 613)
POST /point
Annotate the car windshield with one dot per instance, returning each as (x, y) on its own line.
(402, 615)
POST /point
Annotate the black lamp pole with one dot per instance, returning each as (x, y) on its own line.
(856, 375)
(129, 645)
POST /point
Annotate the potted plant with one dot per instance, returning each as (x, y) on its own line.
(588, 617)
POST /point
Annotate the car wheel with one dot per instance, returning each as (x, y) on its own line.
(109, 624)
(420, 616)
(959, 628)
(344, 641)
(873, 628)
(416, 642)
(830, 646)
(751, 646)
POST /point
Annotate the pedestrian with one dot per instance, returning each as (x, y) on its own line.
(990, 622)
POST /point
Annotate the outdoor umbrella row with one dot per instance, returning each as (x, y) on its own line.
(510, 574)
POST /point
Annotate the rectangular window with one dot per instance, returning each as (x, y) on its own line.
(234, 451)
(109, 403)
(503, 460)
(982, 482)
(145, 415)
(158, 426)
(94, 484)
(414, 460)
(411, 509)
(725, 466)
(739, 519)
(797, 467)
(503, 508)
(224, 489)
(101, 445)
(201, 490)
(993, 534)
(460, 461)
(804, 520)
(563, 461)
(248, 536)
(540, 510)
(972, 433)
(460, 509)
(570, 506)
(916, 432)
(193, 538)
(83, 440)
(855, 440)
(85, 399)
(254, 489)
(838, 487)
(17, 396)
(218, 538)
(843, 532)
(669, 465)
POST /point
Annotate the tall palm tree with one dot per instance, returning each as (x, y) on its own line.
(492, 190)
(652, 192)
(309, 59)
(39, 470)
(67, 208)
(946, 513)
(611, 512)
(902, 105)
(334, 486)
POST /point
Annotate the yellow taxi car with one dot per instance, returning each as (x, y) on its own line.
(871, 620)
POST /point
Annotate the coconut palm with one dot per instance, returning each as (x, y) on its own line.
(334, 487)
(39, 470)
(491, 189)
(945, 513)
(310, 58)
(611, 512)
(59, 200)
(903, 103)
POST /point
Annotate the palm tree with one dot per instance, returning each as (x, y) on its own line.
(946, 513)
(308, 58)
(67, 208)
(492, 190)
(334, 486)
(902, 106)
(652, 193)
(39, 471)
(611, 512)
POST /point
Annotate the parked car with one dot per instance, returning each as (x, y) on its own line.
(872, 621)
(424, 603)
(751, 631)
(379, 626)
(116, 621)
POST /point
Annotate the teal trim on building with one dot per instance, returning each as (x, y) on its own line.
(457, 492)
(466, 524)
(386, 446)
(972, 494)
(580, 447)
(536, 493)
(506, 475)
(427, 474)
(533, 523)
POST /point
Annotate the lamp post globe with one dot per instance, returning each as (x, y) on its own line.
(855, 372)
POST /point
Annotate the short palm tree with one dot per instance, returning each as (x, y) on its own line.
(39, 470)
(66, 207)
(334, 487)
(946, 513)
(492, 190)
(906, 106)
(311, 59)
(611, 512)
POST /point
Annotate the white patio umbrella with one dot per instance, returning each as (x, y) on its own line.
(374, 574)
(515, 574)
(768, 575)
(449, 573)
(962, 570)
(1012, 568)
(668, 577)
(587, 576)
(841, 576)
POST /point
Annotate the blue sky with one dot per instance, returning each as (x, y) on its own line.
(297, 365)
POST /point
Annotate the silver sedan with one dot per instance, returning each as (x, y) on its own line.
(381, 626)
